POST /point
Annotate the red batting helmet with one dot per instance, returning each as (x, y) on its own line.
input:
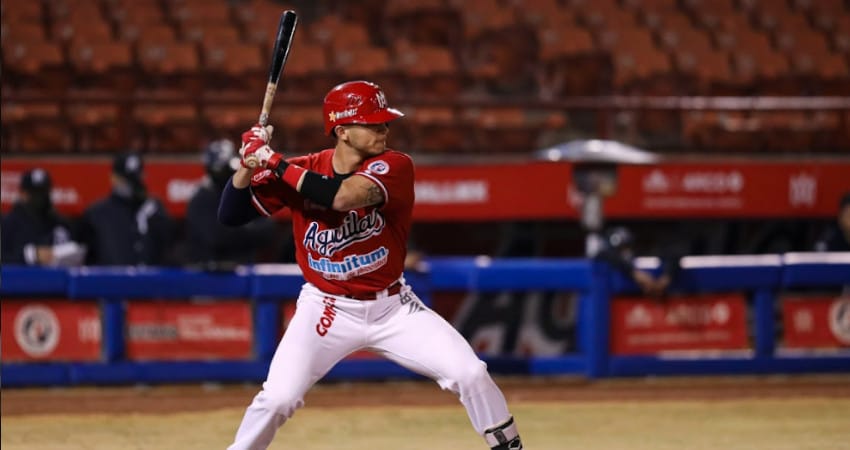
(357, 102)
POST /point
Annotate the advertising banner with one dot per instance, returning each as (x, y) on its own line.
(50, 330)
(712, 322)
(514, 191)
(169, 330)
(816, 322)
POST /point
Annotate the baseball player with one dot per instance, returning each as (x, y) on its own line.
(351, 214)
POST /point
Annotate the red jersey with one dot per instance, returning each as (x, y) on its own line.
(354, 252)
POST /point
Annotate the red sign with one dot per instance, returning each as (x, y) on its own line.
(168, 330)
(50, 330)
(508, 191)
(717, 322)
(816, 322)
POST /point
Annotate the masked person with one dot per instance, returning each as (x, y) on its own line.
(128, 227)
(210, 244)
(33, 232)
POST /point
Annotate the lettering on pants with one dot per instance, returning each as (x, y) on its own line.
(409, 299)
(328, 315)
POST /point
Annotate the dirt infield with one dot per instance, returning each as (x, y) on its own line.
(187, 398)
(775, 412)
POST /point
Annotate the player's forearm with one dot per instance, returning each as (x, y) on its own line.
(235, 207)
(242, 178)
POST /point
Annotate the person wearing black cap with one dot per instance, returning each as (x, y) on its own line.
(210, 244)
(837, 237)
(33, 232)
(618, 251)
(128, 227)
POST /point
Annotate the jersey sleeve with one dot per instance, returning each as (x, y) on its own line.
(268, 192)
(393, 172)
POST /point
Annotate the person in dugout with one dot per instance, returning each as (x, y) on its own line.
(211, 245)
(33, 232)
(618, 251)
(128, 227)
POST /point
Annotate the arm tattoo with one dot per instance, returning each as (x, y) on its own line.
(374, 194)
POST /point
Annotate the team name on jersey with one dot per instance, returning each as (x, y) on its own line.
(353, 229)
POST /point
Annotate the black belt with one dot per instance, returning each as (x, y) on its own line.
(394, 289)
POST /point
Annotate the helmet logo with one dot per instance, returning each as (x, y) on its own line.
(381, 99)
(333, 116)
(354, 100)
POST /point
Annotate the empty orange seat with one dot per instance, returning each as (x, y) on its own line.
(83, 30)
(103, 64)
(229, 121)
(22, 11)
(437, 129)
(210, 33)
(303, 130)
(169, 128)
(38, 127)
(38, 65)
(97, 127)
(149, 34)
(234, 65)
(22, 32)
(429, 68)
(175, 65)
(559, 42)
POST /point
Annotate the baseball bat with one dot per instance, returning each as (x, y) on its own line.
(282, 43)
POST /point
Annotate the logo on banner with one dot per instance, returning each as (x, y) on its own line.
(37, 330)
(839, 320)
(802, 190)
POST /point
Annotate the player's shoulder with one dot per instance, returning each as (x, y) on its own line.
(387, 161)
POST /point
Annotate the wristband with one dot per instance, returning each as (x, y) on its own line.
(289, 173)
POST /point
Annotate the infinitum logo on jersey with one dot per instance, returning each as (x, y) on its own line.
(353, 229)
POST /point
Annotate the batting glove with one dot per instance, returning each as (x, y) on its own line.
(265, 156)
(258, 132)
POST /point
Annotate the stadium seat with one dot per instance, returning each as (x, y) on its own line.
(348, 62)
(308, 72)
(174, 66)
(505, 129)
(82, 29)
(229, 121)
(428, 68)
(168, 127)
(209, 33)
(233, 66)
(149, 33)
(103, 65)
(22, 11)
(98, 127)
(203, 11)
(36, 65)
(422, 22)
(303, 130)
(35, 127)
(437, 129)
(22, 32)
(130, 12)
(544, 13)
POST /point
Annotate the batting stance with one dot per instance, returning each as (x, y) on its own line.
(351, 214)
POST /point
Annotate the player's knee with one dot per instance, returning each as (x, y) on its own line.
(284, 401)
(473, 376)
